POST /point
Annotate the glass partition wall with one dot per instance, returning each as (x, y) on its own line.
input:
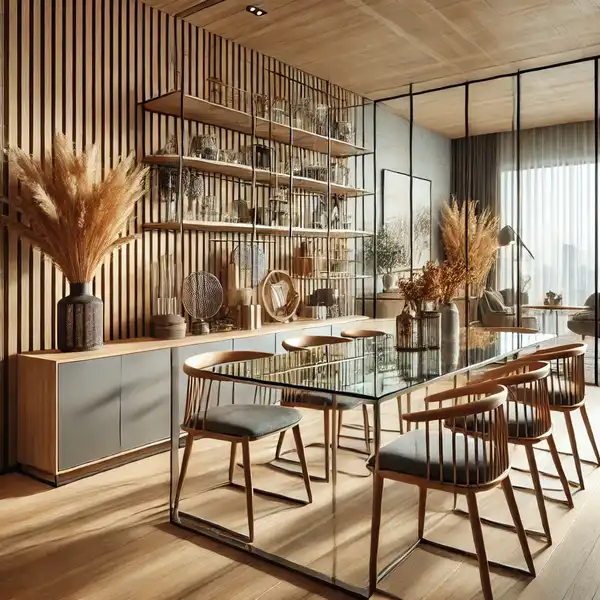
(525, 147)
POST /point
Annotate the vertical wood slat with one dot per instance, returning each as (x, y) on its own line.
(81, 67)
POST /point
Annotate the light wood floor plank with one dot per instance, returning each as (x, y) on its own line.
(108, 537)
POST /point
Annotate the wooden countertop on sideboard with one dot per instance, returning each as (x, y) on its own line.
(131, 346)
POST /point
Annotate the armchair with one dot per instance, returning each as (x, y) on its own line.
(583, 323)
(492, 312)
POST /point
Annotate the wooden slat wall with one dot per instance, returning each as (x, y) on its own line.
(81, 67)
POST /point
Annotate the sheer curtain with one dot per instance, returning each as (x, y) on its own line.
(557, 211)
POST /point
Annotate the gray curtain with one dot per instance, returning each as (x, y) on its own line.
(476, 170)
(475, 175)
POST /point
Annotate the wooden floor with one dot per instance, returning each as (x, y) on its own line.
(108, 537)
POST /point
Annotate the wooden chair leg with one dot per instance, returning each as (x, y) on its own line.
(232, 455)
(539, 491)
(326, 434)
(422, 507)
(400, 419)
(249, 489)
(575, 449)
(559, 469)
(509, 494)
(189, 442)
(280, 444)
(339, 428)
(375, 527)
(590, 432)
(334, 448)
(302, 457)
(366, 427)
(484, 567)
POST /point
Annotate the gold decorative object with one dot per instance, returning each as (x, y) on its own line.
(279, 296)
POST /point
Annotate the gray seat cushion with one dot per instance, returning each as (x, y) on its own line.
(408, 455)
(317, 399)
(249, 420)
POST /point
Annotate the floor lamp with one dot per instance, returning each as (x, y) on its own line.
(508, 236)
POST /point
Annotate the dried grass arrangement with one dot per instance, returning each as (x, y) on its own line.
(75, 217)
(71, 214)
(482, 230)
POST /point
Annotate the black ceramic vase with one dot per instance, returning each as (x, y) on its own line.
(80, 320)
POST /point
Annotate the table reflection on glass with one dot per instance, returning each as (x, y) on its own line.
(370, 370)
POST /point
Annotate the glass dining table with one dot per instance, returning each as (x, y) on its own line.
(328, 539)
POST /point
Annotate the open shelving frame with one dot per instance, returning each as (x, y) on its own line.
(213, 95)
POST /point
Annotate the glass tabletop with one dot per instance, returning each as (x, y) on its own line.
(373, 369)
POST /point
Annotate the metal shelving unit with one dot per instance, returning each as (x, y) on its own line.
(340, 229)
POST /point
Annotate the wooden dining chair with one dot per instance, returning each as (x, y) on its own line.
(566, 394)
(443, 457)
(206, 417)
(320, 401)
(527, 412)
(511, 329)
(364, 334)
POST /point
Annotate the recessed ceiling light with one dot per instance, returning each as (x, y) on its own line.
(257, 12)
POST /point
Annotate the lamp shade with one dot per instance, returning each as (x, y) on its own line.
(507, 236)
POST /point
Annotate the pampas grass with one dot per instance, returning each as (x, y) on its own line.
(482, 231)
(71, 214)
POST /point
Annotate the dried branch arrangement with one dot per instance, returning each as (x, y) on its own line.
(422, 287)
(482, 230)
(70, 213)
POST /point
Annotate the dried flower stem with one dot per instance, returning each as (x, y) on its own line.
(70, 213)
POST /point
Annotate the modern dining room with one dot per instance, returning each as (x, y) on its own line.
(299, 300)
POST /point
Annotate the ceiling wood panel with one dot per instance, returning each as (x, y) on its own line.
(375, 47)
(549, 97)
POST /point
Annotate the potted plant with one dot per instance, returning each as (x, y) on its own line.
(391, 251)
(75, 217)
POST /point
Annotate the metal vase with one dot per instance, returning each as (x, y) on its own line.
(80, 320)
(450, 321)
(450, 328)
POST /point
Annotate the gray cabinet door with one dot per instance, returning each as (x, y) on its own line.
(89, 393)
(220, 393)
(145, 398)
(246, 394)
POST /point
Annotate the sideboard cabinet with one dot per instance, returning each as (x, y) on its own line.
(80, 413)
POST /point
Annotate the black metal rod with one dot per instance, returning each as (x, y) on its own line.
(451, 86)
(179, 263)
(518, 223)
(328, 241)
(466, 205)
(411, 127)
(596, 173)
(378, 198)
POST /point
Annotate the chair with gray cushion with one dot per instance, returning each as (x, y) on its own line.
(583, 323)
(566, 394)
(443, 457)
(325, 345)
(241, 424)
(492, 312)
(529, 423)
